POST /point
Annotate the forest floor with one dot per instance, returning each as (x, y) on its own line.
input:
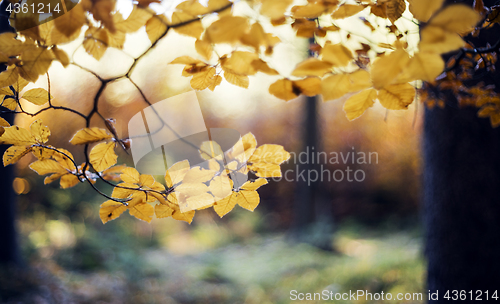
(262, 269)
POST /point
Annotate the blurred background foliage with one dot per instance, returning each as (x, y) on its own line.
(374, 232)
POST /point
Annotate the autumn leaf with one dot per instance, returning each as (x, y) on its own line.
(337, 54)
(274, 9)
(103, 156)
(312, 67)
(266, 155)
(347, 10)
(15, 153)
(187, 24)
(111, 210)
(141, 210)
(137, 19)
(336, 86)
(90, 135)
(204, 48)
(156, 26)
(71, 22)
(357, 104)
(422, 10)
(397, 96)
(176, 173)
(37, 96)
(227, 29)
(247, 197)
(96, 42)
(424, 66)
(388, 67)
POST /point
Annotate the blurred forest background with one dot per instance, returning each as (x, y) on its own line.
(371, 228)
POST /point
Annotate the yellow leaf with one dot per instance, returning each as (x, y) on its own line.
(216, 81)
(46, 166)
(338, 85)
(240, 63)
(111, 210)
(347, 10)
(311, 10)
(220, 187)
(113, 173)
(227, 29)
(425, 66)
(274, 9)
(387, 68)
(456, 18)
(146, 180)
(217, 5)
(68, 181)
(37, 96)
(198, 175)
(96, 42)
(310, 86)
(17, 136)
(197, 202)
(238, 80)
(265, 170)
(124, 190)
(261, 66)
(36, 62)
(312, 67)
(271, 154)
(137, 19)
(337, 54)
(397, 96)
(40, 132)
(204, 48)
(65, 160)
(395, 9)
(4, 123)
(71, 22)
(422, 10)
(183, 216)
(42, 153)
(186, 60)
(61, 56)
(203, 79)
(14, 153)
(252, 186)
(436, 40)
(130, 175)
(103, 156)
(10, 45)
(163, 211)
(156, 27)
(304, 27)
(225, 205)
(283, 89)
(8, 77)
(90, 135)
(190, 28)
(210, 149)
(357, 104)
(248, 199)
(176, 173)
(142, 211)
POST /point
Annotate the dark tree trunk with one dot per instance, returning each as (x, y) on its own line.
(462, 196)
(461, 201)
(9, 248)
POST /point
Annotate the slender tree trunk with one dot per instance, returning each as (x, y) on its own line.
(9, 248)
(462, 198)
